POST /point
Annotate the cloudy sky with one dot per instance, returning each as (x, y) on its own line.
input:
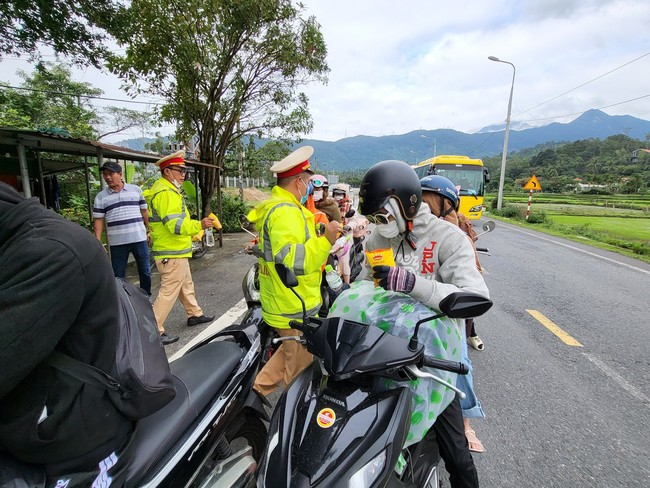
(423, 64)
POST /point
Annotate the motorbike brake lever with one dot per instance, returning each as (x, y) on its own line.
(415, 371)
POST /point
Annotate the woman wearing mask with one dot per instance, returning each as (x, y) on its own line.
(322, 200)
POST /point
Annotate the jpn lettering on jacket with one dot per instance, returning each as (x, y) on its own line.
(428, 263)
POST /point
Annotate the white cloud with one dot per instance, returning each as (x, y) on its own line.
(401, 66)
(422, 64)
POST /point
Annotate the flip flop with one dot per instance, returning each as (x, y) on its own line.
(474, 444)
(476, 342)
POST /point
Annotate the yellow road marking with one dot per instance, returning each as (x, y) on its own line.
(550, 325)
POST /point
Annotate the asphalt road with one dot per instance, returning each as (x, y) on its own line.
(562, 415)
(558, 415)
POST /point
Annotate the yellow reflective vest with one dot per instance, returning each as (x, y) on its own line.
(171, 226)
(287, 235)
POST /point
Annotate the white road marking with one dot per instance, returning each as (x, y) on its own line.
(516, 229)
(630, 388)
(222, 322)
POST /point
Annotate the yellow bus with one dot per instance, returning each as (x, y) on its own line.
(469, 174)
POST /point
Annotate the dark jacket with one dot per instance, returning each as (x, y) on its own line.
(57, 291)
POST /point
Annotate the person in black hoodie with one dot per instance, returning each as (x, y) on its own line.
(57, 291)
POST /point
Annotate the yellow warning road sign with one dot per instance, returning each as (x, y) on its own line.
(533, 184)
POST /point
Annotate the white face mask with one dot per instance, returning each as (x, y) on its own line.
(388, 230)
(318, 195)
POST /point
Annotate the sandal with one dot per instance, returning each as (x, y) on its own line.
(474, 444)
(476, 342)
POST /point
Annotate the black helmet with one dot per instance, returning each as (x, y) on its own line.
(388, 179)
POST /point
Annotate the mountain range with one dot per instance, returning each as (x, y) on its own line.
(360, 152)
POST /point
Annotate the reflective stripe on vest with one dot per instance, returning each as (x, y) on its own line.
(299, 261)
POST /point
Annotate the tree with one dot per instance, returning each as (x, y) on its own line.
(220, 65)
(73, 28)
(50, 99)
(118, 119)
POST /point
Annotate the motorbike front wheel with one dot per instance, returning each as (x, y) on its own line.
(199, 249)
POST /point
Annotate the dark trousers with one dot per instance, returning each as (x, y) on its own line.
(446, 438)
(140, 251)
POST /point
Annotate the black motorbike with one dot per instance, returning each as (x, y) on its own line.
(212, 433)
(334, 426)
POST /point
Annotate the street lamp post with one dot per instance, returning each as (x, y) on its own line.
(504, 156)
(435, 143)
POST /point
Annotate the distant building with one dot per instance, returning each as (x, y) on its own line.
(332, 179)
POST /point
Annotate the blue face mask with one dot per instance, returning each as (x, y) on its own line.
(310, 188)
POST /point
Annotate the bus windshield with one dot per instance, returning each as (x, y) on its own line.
(468, 177)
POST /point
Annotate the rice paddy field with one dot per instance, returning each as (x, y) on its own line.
(616, 222)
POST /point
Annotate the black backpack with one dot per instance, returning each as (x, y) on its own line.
(141, 382)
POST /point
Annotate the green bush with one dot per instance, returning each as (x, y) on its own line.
(537, 218)
(509, 212)
(232, 208)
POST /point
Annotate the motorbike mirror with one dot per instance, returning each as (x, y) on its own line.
(458, 305)
(464, 305)
(246, 225)
(489, 226)
(350, 213)
(287, 276)
(244, 222)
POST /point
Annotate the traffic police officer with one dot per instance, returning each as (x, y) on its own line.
(171, 232)
(288, 235)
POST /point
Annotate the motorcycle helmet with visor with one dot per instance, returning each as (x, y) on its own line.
(319, 181)
(390, 180)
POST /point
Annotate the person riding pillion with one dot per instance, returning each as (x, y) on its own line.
(287, 235)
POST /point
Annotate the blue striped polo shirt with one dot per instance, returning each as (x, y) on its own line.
(121, 210)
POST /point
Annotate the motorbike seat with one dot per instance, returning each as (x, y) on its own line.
(197, 377)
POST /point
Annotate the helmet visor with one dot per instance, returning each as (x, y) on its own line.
(318, 182)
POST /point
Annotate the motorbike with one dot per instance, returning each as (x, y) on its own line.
(213, 432)
(333, 426)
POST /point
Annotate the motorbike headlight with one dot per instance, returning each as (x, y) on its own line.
(367, 475)
(477, 208)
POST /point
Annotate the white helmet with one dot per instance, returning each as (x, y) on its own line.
(340, 189)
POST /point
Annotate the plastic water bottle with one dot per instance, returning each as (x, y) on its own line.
(209, 238)
(333, 279)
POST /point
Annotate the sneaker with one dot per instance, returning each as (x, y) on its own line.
(165, 339)
(203, 319)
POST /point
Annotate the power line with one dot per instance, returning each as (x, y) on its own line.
(580, 86)
(580, 113)
(52, 92)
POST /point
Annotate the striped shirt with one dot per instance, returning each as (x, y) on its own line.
(121, 210)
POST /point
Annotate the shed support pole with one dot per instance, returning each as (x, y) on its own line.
(24, 172)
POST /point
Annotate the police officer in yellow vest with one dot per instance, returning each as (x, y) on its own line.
(287, 235)
(171, 232)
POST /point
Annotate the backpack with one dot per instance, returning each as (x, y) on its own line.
(141, 381)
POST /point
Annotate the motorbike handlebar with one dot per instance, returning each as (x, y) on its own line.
(445, 365)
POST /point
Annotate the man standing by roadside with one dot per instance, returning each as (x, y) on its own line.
(124, 209)
(171, 231)
(288, 236)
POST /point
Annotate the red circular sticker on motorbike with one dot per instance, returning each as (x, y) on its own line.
(326, 418)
